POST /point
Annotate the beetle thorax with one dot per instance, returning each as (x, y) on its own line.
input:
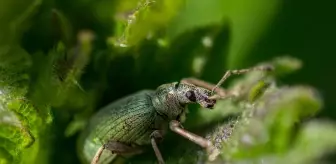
(170, 100)
(167, 102)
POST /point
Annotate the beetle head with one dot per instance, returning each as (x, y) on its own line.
(189, 93)
(171, 99)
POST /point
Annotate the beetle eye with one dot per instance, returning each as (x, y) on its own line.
(191, 96)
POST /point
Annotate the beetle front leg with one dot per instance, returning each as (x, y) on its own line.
(157, 136)
(213, 152)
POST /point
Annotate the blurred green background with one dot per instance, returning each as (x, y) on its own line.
(165, 41)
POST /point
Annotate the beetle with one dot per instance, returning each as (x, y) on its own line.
(125, 126)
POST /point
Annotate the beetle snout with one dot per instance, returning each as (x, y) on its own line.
(208, 103)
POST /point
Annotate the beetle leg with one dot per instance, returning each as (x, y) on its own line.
(116, 148)
(96, 158)
(175, 126)
(156, 136)
(241, 71)
(212, 150)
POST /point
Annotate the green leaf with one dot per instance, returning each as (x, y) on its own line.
(208, 13)
(148, 18)
(246, 21)
(285, 65)
(23, 128)
(14, 19)
(314, 140)
(66, 29)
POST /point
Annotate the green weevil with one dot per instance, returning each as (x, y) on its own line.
(125, 126)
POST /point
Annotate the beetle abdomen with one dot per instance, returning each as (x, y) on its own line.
(128, 120)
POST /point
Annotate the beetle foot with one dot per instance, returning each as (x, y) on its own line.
(212, 152)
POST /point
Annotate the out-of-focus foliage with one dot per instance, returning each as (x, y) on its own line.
(60, 61)
(265, 129)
